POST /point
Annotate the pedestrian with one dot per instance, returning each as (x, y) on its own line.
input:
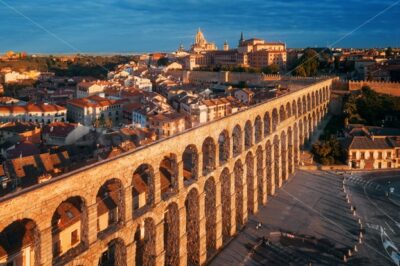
(259, 225)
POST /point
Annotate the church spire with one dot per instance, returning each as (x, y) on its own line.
(241, 39)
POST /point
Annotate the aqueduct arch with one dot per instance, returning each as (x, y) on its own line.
(210, 215)
(145, 238)
(239, 191)
(162, 183)
(171, 234)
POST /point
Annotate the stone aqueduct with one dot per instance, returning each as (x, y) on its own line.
(219, 173)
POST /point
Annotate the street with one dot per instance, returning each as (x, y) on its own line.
(375, 194)
(308, 221)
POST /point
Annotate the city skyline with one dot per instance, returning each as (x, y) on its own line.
(131, 26)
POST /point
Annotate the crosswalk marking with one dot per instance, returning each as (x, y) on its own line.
(359, 180)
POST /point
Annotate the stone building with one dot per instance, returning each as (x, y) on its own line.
(87, 110)
(201, 45)
(253, 52)
(37, 113)
(373, 147)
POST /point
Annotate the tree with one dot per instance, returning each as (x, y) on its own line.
(300, 71)
(271, 69)
(163, 61)
(337, 63)
(328, 151)
(389, 52)
(309, 62)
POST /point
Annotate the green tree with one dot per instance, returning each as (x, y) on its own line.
(300, 71)
(163, 61)
(271, 69)
(309, 62)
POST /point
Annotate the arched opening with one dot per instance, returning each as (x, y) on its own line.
(269, 162)
(277, 162)
(225, 180)
(294, 109)
(248, 135)
(258, 129)
(288, 110)
(296, 145)
(238, 175)
(20, 243)
(192, 227)
(301, 134)
(260, 176)
(282, 114)
(210, 216)
(299, 107)
(145, 238)
(110, 206)
(209, 155)
(171, 234)
(305, 126)
(310, 126)
(312, 100)
(267, 124)
(304, 104)
(308, 102)
(114, 255)
(321, 95)
(237, 140)
(290, 151)
(314, 121)
(284, 155)
(143, 187)
(250, 182)
(69, 227)
(224, 147)
(317, 98)
(275, 120)
(169, 176)
(190, 159)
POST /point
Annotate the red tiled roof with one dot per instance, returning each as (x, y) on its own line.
(59, 129)
(32, 108)
(93, 101)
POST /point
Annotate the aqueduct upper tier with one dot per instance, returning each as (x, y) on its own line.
(172, 202)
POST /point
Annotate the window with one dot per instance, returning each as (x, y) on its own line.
(380, 155)
(363, 155)
(74, 237)
(389, 155)
(353, 155)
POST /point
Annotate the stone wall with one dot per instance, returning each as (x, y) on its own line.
(391, 88)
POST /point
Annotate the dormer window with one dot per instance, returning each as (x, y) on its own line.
(69, 214)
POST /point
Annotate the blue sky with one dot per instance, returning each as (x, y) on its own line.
(71, 26)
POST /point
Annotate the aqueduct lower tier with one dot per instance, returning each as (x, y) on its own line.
(176, 201)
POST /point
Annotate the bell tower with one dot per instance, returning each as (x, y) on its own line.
(226, 46)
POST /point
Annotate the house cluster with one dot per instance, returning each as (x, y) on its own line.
(370, 64)
(62, 123)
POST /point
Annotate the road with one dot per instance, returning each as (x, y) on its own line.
(308, 221)
(379, 210)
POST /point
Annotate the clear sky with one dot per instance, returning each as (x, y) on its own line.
(71, 26)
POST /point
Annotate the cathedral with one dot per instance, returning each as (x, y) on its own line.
(254, 52)
(201, 44)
